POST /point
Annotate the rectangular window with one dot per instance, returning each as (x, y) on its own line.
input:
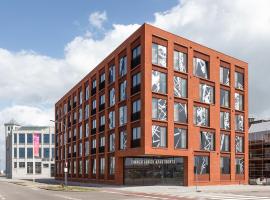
(123, 140)
(224, 142)
(86, 168)
(159, 136)
(111, 120)
(123, 66)
(86, 130)
(102, 141)
(94, 144)
(180, 61)
(111, 74)
(136, 106)
(180, 87)
(52, 135)
(94, 84)
(29, 138)
(112, 165)
(21, 164)
(102, 99)
(159, 109)
(81, 97)
(239, 80)
(102, 120)
(200, 68)
(86, 111)
(201, 116)
(238, 101)
(180, 138)
(207, 141)
(94, 124)
(29, 152)
(21, 138)
(29, 167)
(225, 120)
(180, 112)
(239, 144)
(46, 138)
(206, 93)
(159, 55)
(112, 142)
(94, 166)
(112, 97)
(80, 115)
(15, 138)
(21, 152)
(136, 133)
(122, 115)
(225, 165)
(102, 78)
(224, 98)
(136, 56)
(46, 152)
(86, 148)
(101, 166)
(80, 132)
(239, 165)
(159, 82)
(239, 122)
(201, 164)
(136, 79)
(224, 76)
(15, 153)
(122, 91)
(94, 104)
(86, 92)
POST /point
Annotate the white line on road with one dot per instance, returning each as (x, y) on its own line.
(66, 197)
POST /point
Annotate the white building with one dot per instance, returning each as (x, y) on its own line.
(20, 161)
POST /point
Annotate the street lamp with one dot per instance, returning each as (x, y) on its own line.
(65, 144)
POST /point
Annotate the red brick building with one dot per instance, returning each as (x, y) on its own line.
(160, 109)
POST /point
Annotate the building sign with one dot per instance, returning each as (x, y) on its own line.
(152, 161)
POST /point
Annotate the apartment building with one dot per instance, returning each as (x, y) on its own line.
(160, 109)
(20, 159)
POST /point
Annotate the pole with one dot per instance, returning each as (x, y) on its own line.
(34, 165)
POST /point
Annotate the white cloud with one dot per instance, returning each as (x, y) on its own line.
(98, 18)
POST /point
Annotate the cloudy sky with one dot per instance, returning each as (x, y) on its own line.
(48, 46)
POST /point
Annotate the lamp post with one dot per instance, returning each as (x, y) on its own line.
(65, 144)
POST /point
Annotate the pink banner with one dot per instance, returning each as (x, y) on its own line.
(36, 145)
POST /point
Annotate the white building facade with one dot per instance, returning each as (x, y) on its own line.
(20, 160)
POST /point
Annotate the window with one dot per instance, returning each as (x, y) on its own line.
(46, 138)
(207, 141)
(46, 152)
(94, 84)
(86, 148)
(102, 120)
(239, 165)
(86, 169)
(94, 144)
(136, 79)
(225, 165)
(94, 166)
(52, 153)
(136, 106)
(102, 141)
(239, 122)
(21, 164)
(29, 152)
(123, 66)
(159, 82)
(224, 98)
(102, 166)
(112, 97)
(80, 132)
(112, 142)
(136, 56)
(94, 105)
(225, 120)
(180, 87)
(86, 111)
(15, 138)
(159, 109)
(111, 74)
(80, 97)
(180, 138)
(102, 78)
(180, 61)
(74, 167)
(200, 68)
(21, 152)
(80, 149)
(122, 115)
(111, 120)
(159, 55)
(102, 99)
(94, 124)
(52, 135)
(224, 142)
(87, 92)
(15, 153)
(112, 165)
(80, 115)
(180, 112)
(136, 133)
(201, 116)
(224, 76)
(29, 167)
(238, 101)
(29, 138)
(201, 164)
(21, 138)
(239, 80)
(206, 93)
(159, 136)
(239, 144)
(80, 167)
(123, 140)
(86, 130)
(123, 91)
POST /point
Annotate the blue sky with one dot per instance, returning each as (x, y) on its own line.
(46, 26)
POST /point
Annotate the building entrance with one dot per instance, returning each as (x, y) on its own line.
(154, 171)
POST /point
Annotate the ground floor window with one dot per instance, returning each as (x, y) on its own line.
(201, 165)
(29, 167)
(154, 171)
(225, 165)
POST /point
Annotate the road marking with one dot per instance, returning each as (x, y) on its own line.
(66, 197)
